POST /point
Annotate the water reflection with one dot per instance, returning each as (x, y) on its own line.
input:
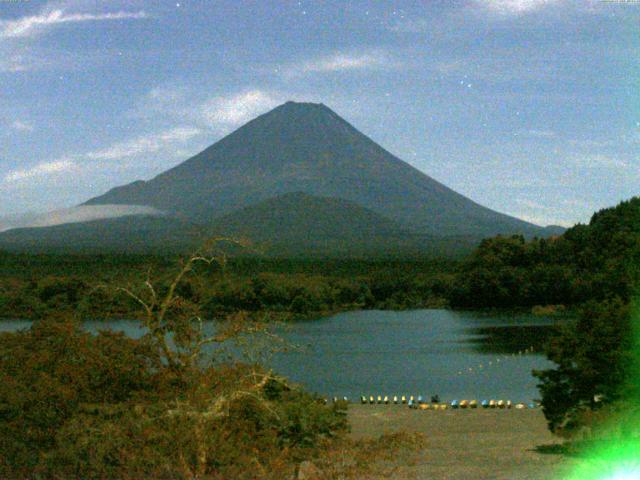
(419, 352)
(512, 339)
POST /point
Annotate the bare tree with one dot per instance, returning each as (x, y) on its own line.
(176, 328)
(173, 325)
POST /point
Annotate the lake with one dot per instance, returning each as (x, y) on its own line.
(418, 352)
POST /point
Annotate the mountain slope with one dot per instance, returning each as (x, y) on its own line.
(295, 217)
(131, 234)
(289, 225)
(304, 147)
(297, 224)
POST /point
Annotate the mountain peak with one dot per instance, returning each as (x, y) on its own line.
(307, 147)
(301, 108)
(294, 104)
(308, 104)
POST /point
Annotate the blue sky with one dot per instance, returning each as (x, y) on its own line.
(530, 107)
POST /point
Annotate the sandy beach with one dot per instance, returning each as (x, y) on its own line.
(467, 444)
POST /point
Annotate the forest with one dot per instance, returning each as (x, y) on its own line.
(587, 263)
(33, 286)
(594, 269)
(108, 406)
(77, 405)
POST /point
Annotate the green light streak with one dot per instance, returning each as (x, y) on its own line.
(616, 453)
(619, 460)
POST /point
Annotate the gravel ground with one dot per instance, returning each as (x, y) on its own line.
(467, 444)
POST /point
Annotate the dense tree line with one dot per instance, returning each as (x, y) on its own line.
(592, 267)
(588, 262)
(593, 262)
(77, 405)
(283, 288)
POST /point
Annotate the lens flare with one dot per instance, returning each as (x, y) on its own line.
(625, 475)
(616, 455)
(620, 460)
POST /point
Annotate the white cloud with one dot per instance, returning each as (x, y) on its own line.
(516, 7)
(20, 51)
(512, 8)
(163, 97)
(22, 126)
(533, 133)
(218, 114)
(31, 26)
(233, 110)
(144, 144)
(84, 213)
(41, 169)
(339, 62)
(342, 61)
(166, 102)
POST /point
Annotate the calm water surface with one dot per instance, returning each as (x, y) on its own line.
(420, 352)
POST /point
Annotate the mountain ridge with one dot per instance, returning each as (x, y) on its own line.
(292, 225)
(299, 180)
(308, 148)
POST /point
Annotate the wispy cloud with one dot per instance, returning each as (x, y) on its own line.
(216, 114)
(516, 7)
(22, 126)
(84, 213)
(39, 170)
(31, 26)
(235, 109)
(20, 50)
(144, 144)
(533, 133)
(80, 163)
(343, 61)
(221, 113)
(340, 62)
(164, 97)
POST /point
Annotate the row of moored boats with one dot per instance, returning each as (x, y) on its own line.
(420, 403)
